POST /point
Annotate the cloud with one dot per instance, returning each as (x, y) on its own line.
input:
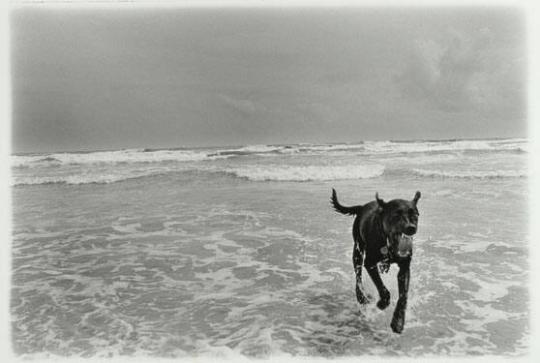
(459, 72)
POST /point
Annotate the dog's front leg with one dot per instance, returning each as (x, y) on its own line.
(384, 294)
(398, 319)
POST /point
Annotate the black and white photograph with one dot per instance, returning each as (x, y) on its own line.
(250, 180)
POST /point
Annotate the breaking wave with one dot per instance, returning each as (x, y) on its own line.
(276, 173)
(298, 163)
(250, 172)
(471, 174)
(113, 157)
(388, 147)
(307, 173)
(196, 155)
(81, 179)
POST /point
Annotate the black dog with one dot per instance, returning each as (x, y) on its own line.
(382, 233)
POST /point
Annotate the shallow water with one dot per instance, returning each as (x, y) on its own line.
(191, 262)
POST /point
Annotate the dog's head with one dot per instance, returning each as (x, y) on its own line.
(400, 222)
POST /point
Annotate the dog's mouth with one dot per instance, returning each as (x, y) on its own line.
(404, 245)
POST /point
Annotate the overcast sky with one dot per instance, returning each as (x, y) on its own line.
(122, 78)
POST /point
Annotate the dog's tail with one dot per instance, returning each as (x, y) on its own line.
(342, 209)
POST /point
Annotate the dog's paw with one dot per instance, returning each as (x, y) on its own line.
(398, 319)
(397, 325)
(361, 296)
(384, 301)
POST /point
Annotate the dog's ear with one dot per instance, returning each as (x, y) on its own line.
(416, 197)
(379, 201)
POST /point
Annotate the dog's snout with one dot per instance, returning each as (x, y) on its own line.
(410, 230)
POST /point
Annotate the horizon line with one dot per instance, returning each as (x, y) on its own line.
(72, 151)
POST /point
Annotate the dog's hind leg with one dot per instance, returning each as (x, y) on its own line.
(358, 263)
(384, 294)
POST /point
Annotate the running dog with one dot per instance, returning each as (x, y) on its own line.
(383, 234)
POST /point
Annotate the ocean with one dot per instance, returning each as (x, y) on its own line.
(235, 251)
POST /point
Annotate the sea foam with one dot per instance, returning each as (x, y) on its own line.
(471, 174)
(295, 162)
(112, 157)
(195, 155)
(307, 173)
(384, 147)
(85, 178)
